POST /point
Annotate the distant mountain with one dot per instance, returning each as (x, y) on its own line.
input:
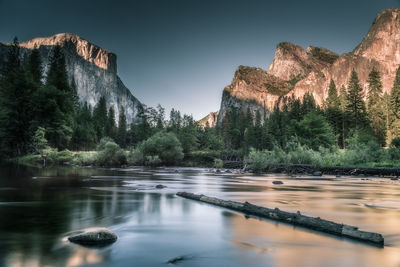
(210, 120)
(295, 71)
(92, 69)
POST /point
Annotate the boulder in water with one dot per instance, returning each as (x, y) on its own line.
(277, 182)
(94, 236)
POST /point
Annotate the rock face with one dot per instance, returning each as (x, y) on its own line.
(91, 68)
(296, 71)
(210, 120)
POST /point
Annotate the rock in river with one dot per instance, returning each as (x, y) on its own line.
(94, 236)
(277, 182)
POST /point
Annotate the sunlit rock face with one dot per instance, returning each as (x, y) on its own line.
(296, 71)
(92, 69)
(210, 120)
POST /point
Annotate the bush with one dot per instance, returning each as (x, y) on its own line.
(202, 157)
(161, 148)
(264, 160)
(301, 154)
(395, 142)
(110, 154)
(103, 142)
(218, 163)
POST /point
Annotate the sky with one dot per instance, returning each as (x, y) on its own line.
(182, 53)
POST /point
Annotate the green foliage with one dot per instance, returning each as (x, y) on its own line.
(164, 145)
(201, 158)
(313, 131)
(121, 134)
(110, 127)
(100, 117)
(110, 154)
(84, 133)
(376, 106)
(218, 163)
(333, 113)
(355, 108)
(265, 159)
(16, 90)
(395, 142)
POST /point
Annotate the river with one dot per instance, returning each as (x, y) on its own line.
(39, 207)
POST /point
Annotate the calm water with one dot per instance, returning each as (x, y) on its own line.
(38, 208)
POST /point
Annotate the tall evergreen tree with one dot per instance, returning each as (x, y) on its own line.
(344, 116)
(395, 96)
(54, 104)
(16, 89)
(57, 74)
(332, 111)
(84, 136)
(395, 107)
(35, 67)
(355, 103)
(121, 136)
(110, 128)
(375, 106)
(100, 117)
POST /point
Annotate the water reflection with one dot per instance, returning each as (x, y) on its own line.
(38, 208)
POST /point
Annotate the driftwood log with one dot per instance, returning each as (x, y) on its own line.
(291, 218)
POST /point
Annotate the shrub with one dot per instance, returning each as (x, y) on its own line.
(202, 157)
(218, 163)
(264, 160)
(395, 142)
(152, 161)
(110, 154)
(164, 145)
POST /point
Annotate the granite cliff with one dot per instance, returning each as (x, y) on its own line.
(92, 69)
(296, 71)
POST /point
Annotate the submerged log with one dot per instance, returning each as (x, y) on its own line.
(317, 224)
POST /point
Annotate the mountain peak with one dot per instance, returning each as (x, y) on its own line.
(90, 52)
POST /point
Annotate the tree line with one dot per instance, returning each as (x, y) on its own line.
(37, 106)
(345, 113)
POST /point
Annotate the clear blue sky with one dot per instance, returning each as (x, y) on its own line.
(182, 53)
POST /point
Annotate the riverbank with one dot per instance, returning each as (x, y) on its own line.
(89, 158)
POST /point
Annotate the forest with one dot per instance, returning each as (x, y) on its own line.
(42, 121)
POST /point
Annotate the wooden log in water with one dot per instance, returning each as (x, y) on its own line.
(317, 224)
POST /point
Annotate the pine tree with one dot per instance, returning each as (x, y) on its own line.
(54, 103)
(121, 136)
(100, 117)
(110, 128)
(395, 107)
(16, 89)
(395, 96)
(84, 136)
(344, 116)
(332, 109)
(355, 103)
(376, 107)
(57, 75)
(35, 67)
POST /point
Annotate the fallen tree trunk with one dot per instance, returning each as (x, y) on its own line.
(291, 218)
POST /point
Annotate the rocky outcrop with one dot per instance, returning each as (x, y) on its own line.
(93, 236)
(296, 71)
(92, 69)
(210, 120)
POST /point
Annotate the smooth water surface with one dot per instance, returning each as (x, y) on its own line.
(38, 208)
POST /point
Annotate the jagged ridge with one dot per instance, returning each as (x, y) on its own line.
(295, 71)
